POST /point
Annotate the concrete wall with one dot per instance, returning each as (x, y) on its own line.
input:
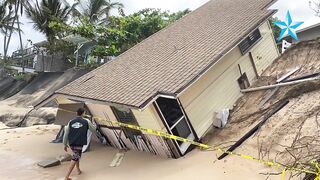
(219, 89)
(50, 63)
(2, 73)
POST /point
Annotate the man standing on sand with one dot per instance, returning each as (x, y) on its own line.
(75, 137)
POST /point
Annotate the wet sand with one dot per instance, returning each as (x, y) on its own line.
(21, 149)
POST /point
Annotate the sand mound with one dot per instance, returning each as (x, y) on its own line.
(292, 135)
(17, 110)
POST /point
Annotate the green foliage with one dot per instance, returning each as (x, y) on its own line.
(6, 18)
(122, 32)
(24, 77)
(97, 11)
(45, 12)
(276, 30)
(92, 63)
(5, 65)
(58, 45)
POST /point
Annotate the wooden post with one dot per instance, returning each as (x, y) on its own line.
(77, 55)
(279, 85)
(240, 70)
(253, 65)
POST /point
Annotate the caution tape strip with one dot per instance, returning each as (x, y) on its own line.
(279, 166)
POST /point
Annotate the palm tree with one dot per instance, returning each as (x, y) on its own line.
(98, 11)
(7, 24)
(41, 14)
(18, 5)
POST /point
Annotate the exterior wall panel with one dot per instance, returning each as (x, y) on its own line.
(265, 51)
(219, 89)
(147, 118)
(144, 142)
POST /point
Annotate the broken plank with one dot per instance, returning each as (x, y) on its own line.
(279, 85)
(288, 74)
(279, 106)
(117, 159)
(309, 75)
(49, 163)
(268, 97)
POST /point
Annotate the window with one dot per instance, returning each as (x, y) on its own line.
(174, 117)
(125, 115)
(250, 41)
(243, 81)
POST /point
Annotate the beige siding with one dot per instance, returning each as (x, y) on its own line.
(149, 118)
(117, 138)
(104, 112)
(265, 52)
(218, 88)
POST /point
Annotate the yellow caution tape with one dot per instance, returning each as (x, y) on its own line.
(279, 166)
(283, 173)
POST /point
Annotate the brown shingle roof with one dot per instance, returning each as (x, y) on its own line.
(168, 61)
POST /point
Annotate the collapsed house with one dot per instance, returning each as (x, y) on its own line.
(177, 80)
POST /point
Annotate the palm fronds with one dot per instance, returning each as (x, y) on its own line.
(41, 14)
(98, 11)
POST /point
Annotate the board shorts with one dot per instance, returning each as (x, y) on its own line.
(76, 152)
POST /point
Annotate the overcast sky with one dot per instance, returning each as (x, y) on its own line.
(299, 9)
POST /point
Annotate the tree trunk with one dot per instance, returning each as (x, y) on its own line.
(4, 47)
(21, 46)
(16, 9)
(42, 58)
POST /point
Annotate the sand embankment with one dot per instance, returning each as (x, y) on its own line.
(14, 109)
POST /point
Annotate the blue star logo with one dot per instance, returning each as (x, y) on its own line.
(288, 27)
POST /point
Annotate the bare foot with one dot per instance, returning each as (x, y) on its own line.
(79, 172)
(67, 178)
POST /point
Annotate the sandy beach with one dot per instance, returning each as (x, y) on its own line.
(21, 149)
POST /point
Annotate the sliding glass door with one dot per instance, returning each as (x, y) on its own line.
(175, 120)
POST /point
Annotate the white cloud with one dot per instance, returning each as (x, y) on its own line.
(171, 5)
(300, 11)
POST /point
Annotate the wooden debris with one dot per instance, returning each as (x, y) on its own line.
(309, 75)
(117, 159)
(279, 106)
(268, 97)
(288, 75)
(279, 85)
(49, 163)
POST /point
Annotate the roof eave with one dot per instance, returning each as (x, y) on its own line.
(83, 99)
